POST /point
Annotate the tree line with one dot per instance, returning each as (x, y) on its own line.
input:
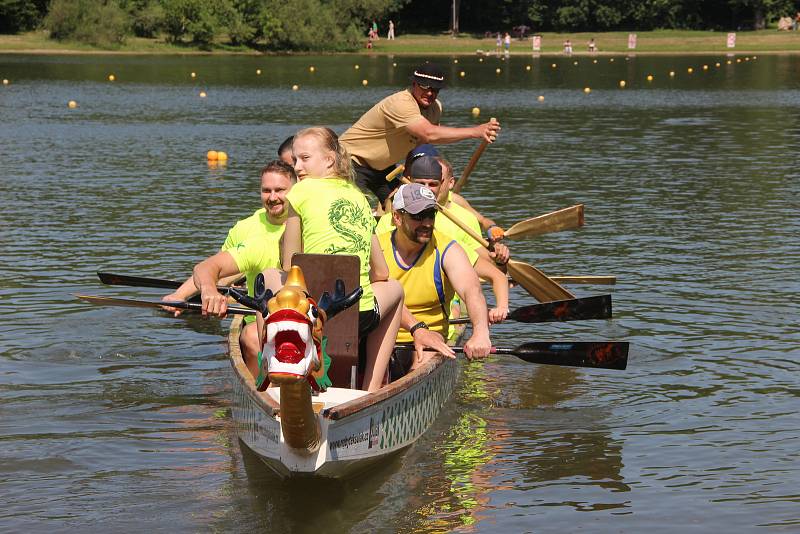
(341, 24)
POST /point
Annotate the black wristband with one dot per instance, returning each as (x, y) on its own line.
(417, 326)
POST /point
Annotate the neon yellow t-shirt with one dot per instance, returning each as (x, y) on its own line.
(336, 219)
(256, 224)
(258, 252)
(442, 225)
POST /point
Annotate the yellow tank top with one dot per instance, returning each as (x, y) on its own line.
(337, 219)
(428, 291)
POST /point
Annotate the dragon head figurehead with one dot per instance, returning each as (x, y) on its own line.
(293, 332)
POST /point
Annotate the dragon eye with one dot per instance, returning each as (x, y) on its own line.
(313, 313)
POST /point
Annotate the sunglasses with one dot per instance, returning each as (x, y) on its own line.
(421, 216)
(426, 88)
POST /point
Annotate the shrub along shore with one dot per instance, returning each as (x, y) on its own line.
(650, 42)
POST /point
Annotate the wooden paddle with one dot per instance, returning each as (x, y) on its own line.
(136, 303)
(471, 165)
(595, 354)
(532, 279)
(565, 219)
(598, 307)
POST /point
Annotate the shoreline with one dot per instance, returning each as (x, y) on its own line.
(656, 43)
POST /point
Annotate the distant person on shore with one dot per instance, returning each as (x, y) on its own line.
(568, 47)
(797, 21)
(498, 43)
(592, 45)
(375, 30)
(507, 42)
(390, 35)
(391, 128)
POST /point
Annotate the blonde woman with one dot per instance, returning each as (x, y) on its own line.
(328, 214)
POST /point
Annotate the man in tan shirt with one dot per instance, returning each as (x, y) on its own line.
(387, 132)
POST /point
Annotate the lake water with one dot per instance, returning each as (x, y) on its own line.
(117, 418)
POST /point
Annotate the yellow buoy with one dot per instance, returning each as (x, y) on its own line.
(203, 94)
(527, 67)
(747, 59)
(480, 60)
(611, 60)
(690, 70)
(728, 62)
(755, 57)
(295, 87)
(5, 81)
(738, 60)
(222, 157)
(587, 90)
(72, 104)
(258, 72)
(498, 71)
(649, 77)
(574, 62)
(111, 77)
(622, 83)
(194, 75)
(394, 64)
(312, 68)
(364, 82)
(717, 65)
(540, 98)
(672, 74)
(554, 65)
(476, 111)
(705, 67)
(594, 61)
(212, 155)
(356, 67)
(462, 73)
(455, 60)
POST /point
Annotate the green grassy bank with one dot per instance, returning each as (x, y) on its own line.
(656, 42)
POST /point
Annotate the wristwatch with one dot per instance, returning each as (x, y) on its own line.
(421, 324)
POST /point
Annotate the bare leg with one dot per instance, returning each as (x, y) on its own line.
(249, 342)
(380, 341)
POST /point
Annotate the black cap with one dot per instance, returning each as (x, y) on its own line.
(429, 74)
(426, 167)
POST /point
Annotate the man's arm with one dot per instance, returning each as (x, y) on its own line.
(206, 275)
(485, 222)
(427, 132)
(487, 270)
(465, 282)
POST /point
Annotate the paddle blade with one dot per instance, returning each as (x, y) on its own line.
(600, 355)
(566, 219)
(598, 307)
(537, 283)
(112, 279)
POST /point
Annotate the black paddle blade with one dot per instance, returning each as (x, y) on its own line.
(598, 307)
(112, 279)
(601, 354)
(138, 303)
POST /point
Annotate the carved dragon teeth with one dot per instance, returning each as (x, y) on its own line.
(288, 371)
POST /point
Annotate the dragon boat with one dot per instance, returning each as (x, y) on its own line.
(298, 428)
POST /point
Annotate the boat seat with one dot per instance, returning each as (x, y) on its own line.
(321, 272)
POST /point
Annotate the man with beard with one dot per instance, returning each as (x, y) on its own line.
(431, 267)
(392, 127)
(252, 245)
